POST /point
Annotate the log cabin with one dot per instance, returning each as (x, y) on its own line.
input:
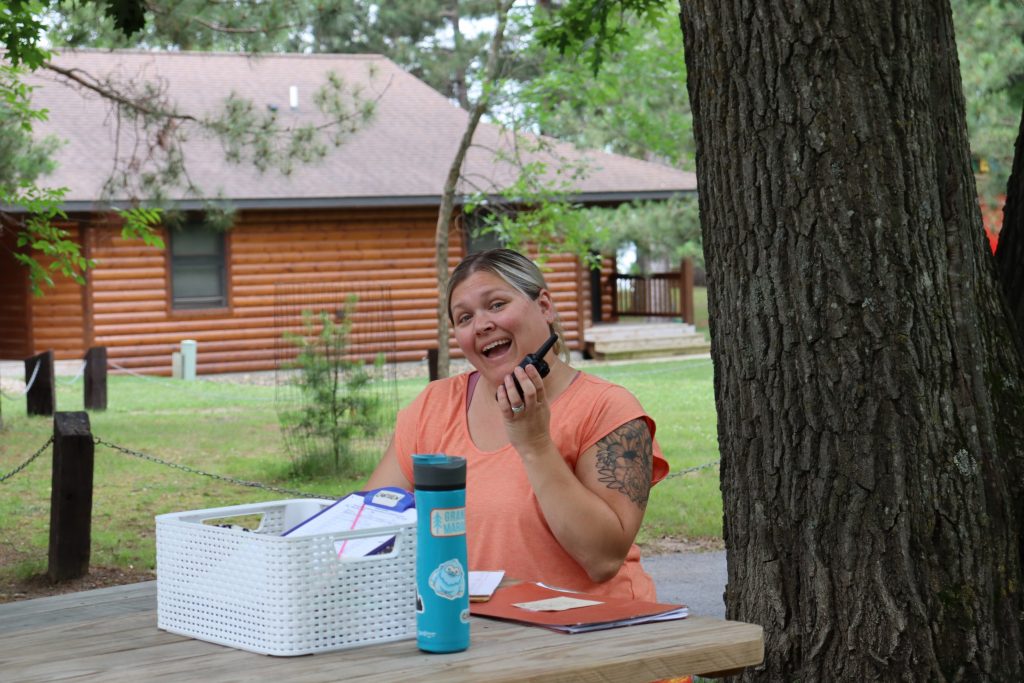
(363, 215)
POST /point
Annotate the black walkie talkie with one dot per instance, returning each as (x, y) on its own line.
(537, 361)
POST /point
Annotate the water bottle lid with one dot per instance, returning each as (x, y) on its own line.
(438, 472)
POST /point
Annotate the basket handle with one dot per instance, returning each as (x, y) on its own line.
(402, 535)
(200, 516)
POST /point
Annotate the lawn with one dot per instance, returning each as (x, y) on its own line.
(679, 395)
(700, 311)
(232, 430)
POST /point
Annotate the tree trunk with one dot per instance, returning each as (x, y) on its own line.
(459, 80)
(867, 382)
(444, 213)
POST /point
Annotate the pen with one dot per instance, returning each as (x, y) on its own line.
(354, 522)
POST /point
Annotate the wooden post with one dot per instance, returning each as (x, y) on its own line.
(686, 291)
(96, 378)
(596, 313)
(70, 497)
(40, 398)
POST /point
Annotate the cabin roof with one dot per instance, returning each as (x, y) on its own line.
(401, 157)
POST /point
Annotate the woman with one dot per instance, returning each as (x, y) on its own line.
(557, 477)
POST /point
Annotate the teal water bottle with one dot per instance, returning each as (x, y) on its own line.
(442, 574)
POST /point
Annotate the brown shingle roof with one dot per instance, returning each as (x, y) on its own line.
(400, 157)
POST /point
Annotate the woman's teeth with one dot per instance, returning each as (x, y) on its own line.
(490, 348)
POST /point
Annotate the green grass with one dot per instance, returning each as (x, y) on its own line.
(700, 311)
(679, 396)
(232, 430)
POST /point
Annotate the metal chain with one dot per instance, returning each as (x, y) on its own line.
(692, 469)
(241, 482)
(192, 470)
(28, 462)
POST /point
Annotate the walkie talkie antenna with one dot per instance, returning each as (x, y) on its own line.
(537, 361)
(543, 350)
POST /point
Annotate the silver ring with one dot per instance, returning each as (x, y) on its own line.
(518, 409)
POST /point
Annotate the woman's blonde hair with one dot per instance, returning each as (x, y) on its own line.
(518, 271)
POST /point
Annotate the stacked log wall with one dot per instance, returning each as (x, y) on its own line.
(56, 320)
(133, 317)
(15, 331)
(608, 268)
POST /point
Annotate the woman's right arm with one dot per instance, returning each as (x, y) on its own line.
(388, 472)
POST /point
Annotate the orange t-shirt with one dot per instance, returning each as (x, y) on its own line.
(505, 528)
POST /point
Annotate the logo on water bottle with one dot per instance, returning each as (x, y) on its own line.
(448, 580)
(448, 522)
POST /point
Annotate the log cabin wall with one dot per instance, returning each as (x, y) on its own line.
(608, 266)
(130, 302)
(565, 278)
(15, 331)
(57, 318)
(372, 248)
(130, 288)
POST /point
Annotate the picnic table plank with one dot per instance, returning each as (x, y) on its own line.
(127, 646)
(83, 606)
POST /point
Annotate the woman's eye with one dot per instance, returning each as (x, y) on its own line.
(497, 305)
(462, 319)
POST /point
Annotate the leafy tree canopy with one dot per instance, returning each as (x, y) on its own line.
(635, 105)
(990, 43)
(428, 38)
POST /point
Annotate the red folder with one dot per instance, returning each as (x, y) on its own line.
(611, 613)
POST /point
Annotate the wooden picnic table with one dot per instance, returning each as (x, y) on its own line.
(110, 634)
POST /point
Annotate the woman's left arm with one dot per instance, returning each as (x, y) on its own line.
(595, 511)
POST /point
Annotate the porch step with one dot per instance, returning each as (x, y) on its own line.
(643, 339)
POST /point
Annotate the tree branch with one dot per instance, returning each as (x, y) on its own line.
(444, 213)
(85, 80)
(219, 28)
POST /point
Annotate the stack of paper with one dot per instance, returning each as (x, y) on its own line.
(531, 603)
(483, 584)
(388, 506)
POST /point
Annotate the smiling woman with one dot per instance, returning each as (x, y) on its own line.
(559, 466)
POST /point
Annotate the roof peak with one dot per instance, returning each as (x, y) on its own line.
(362, 56)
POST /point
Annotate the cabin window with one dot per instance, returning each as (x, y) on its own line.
(474, 236)
(197, 268)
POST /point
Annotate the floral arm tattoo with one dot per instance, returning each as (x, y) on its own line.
(624, 461)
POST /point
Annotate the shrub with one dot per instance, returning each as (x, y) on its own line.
(339, 405)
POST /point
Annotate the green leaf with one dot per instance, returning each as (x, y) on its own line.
(20, 29)
(129, 15)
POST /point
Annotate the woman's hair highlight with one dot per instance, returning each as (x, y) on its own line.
(518, 271)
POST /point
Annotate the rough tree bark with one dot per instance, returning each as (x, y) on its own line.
(867, 380)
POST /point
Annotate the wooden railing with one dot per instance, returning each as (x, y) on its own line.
(668, 295)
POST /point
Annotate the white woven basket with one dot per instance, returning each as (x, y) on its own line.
(258, 591)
